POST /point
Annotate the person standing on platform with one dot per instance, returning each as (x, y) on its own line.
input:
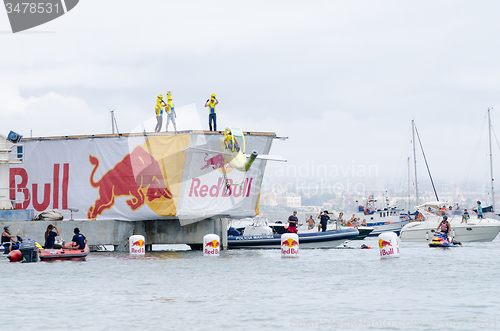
(211, 103)
(159, 112)
(169, 109)
(324, 221)
(479, 211)
(293, 222)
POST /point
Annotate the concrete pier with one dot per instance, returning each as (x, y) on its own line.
(116, 233)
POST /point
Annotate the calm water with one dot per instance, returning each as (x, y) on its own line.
(350, 289)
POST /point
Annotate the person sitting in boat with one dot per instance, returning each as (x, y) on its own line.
(465, 216)
(324, 221)
(444, 226)
(230, 141)
(293, 222)
(363, 223)
(78, 242)
(7, 238)
(50, 236)
(310, 223)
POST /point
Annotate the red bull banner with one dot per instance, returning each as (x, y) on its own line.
(134, 177)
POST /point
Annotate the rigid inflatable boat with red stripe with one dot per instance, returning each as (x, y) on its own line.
(63, 254)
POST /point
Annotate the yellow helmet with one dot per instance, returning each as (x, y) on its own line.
(160, 96)
(213, 96)
(169, 95)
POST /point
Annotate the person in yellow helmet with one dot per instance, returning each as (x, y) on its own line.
(230, 141)
(159, 112)
(211, 103)
(169, 109)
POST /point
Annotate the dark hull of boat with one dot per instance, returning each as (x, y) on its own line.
(326, 239)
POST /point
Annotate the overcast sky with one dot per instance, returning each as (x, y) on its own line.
(341, 79)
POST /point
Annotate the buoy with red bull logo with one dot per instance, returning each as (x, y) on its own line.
(211, 245)
(289, 245)
(388, 243)
(137, 244)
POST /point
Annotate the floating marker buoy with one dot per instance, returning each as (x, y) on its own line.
(389, 245)
(137, 244)
(15, 256)
(289, 245)
(211, 245)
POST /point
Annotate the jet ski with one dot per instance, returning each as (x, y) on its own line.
(441, 240)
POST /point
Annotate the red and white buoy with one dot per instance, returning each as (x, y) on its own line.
(211, 245)
(137, 245)
(388, 243)
(289, 245)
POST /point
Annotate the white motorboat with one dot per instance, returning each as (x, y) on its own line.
(260, 234)
(474, 229)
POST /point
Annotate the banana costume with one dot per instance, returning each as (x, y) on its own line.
(170, 104)
(159, 112)
(159, 106)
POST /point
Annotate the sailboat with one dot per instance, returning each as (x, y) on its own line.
(472, 230)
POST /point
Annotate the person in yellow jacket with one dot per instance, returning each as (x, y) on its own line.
(211, 103)
(159, 112)
(170, 110)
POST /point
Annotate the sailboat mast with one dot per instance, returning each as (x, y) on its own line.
(491, 164)
(409, 185)
(415, 160)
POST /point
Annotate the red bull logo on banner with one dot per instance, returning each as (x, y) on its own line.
(217, 162)
(138, 176)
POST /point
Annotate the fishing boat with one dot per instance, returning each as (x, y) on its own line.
(63, 254)
(260, 234)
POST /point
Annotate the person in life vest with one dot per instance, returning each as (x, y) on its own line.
(444, 226)
(7, 238)
(211, 103)
(159, 112)
(230, 141)
(169, 109)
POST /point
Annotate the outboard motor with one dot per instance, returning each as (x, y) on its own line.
(29, 250)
